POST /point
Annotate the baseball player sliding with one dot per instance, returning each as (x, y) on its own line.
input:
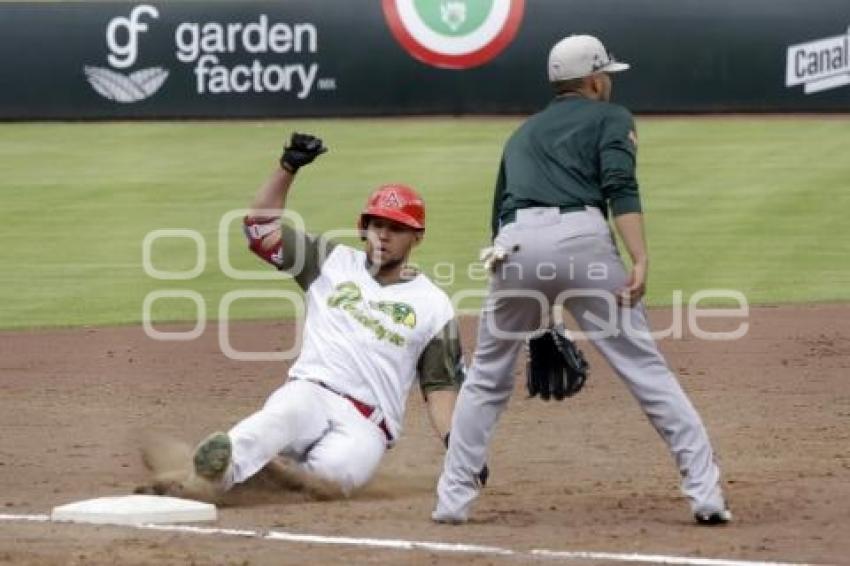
(561, 173)
(372, 326)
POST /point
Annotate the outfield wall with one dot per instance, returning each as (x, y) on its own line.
(372, 57)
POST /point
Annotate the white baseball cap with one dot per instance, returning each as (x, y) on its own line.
(578, 56)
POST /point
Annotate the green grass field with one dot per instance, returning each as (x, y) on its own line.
(757, 205)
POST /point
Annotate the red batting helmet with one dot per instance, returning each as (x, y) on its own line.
(395, 202)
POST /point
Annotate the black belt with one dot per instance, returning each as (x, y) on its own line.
(510, 216)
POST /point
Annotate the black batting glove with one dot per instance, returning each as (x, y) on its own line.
(302, 149)
(482, 476)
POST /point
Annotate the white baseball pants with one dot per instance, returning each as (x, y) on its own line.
(318, 429)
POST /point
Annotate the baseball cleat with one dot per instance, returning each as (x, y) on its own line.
(212, 456)
(446, 518)
(713, 517)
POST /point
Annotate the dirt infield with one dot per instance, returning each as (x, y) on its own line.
(589, 474)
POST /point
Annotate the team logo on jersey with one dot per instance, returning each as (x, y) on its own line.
(400, 313)
(347, 293)
(454, 34)
(348, 297)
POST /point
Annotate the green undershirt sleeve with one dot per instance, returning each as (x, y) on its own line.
(441, 364)
(313, 249)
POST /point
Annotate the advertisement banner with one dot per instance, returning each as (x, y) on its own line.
(103, 60)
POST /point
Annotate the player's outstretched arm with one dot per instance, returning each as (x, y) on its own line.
(262, 227)
(271, 196)
(301, 150)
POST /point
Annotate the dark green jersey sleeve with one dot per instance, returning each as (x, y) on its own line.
(440, 366)
(313, 249)
(617, 161)
(498, 196)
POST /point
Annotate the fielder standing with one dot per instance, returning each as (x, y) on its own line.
(562, 173)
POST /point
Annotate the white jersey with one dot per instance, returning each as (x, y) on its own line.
(364, 339)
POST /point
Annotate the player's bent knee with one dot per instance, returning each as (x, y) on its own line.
(346, 469)
(339, 476)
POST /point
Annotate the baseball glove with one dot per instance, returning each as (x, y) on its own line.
(556, 367)
(302, 150)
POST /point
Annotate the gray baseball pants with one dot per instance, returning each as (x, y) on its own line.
(570, 259)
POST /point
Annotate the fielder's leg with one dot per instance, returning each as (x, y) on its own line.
(633, 354)
(483, 396)
(519, 298)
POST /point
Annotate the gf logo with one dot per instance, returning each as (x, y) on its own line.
(124, 55)
(122, 38)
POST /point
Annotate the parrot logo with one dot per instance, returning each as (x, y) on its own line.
(400, 313)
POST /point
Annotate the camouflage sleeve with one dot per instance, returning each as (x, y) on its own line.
(441, 365)
(314, 249)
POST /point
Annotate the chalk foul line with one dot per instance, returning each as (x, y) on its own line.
(412, 545)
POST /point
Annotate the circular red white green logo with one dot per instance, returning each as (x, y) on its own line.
(454, 34)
